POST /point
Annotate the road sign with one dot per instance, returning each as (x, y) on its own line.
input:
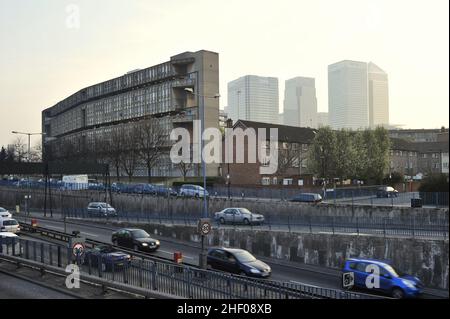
(348, 280)
(77, 245)
(204, 226)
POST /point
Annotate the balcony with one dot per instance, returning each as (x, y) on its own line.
(184, 83)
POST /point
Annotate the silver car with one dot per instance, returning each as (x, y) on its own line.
(238, 216)
(101, 209)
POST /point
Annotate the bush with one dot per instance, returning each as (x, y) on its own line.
(434, 183)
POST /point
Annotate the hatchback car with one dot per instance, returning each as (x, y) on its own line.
(143, 189)
(134, 238)
(9, 225)
(4, 213)
(188, 190)
(307, 198)
(101, 209)
(391, 281)
(238, 216)
(237, 261)
(386, 192)
(106, 257)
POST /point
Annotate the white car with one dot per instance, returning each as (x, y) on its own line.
(189, 190)
(4, 213)
(238, 215)
(9, 225)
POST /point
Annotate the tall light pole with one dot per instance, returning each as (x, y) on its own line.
(28, 160)
(202, 259)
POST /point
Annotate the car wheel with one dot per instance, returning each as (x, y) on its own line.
(222, 220)
(196, 196)
(246, 221)
(242, 273)
(114, 242)
(397, 293)
(135, 247)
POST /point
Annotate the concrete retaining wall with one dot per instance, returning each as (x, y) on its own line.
(427, 259)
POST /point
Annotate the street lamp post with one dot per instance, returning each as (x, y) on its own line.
(205, 203)
(28, 160)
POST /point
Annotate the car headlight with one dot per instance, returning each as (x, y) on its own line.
(254, 271)
(408, 283)
(157, 242)
(144, 244)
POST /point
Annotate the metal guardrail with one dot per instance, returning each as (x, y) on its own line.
(179, 280)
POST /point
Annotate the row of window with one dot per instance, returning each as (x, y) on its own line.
(129, 80)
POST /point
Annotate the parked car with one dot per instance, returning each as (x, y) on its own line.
(189, 190)
(134, 238)
(165, 191)
(101, 209)
(392, 281)
(9, 225)
(117, 187)
(237, 261)
(144, 189)
(4, 213)
(7, 240)
(238, 216)
(307, 198)
(387, 192)
(107, 256)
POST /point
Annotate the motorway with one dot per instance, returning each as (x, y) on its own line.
(283, 271)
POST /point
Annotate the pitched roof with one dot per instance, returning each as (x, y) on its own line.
(421, 147)
(286, 133)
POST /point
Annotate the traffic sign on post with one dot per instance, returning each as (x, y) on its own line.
(348, 280)
(204, 226)
(77, 245)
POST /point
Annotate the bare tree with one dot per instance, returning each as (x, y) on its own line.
(112, 148)
(129, 156)
(36, 151)
(184, 168)
(20, 149)
(150, 143)
(290, 155)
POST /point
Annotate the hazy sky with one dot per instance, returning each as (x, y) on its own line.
(43, 60)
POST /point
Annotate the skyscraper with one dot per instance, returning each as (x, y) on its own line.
(357, 95)
(300, 102)
(378, 96)
(253, 98)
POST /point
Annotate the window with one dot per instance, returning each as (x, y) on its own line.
(265, 181)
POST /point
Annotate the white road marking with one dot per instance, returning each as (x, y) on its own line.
(302, 283)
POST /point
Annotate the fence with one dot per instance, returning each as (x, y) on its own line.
(355, 196)
(177, 280)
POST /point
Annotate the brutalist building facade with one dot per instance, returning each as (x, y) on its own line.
(89, 124)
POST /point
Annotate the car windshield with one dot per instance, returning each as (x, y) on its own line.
(10, 223)
(244, 256)
(245, 211)
(2, 210)
(105, 205)
(139, 233)
(392, 271)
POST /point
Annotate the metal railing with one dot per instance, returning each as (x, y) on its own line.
(170, 278)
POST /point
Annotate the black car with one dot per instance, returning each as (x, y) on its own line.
(134, 238)
(237, 261)
(387, 192)
(107, 257)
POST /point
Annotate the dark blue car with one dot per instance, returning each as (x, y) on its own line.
(106, 257)
(391, 281)
(237, 261)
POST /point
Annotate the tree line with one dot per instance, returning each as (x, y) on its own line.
(346, 154)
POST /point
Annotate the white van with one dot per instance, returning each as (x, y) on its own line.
(9, 225)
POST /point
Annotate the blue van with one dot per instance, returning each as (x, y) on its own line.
(392, 282)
